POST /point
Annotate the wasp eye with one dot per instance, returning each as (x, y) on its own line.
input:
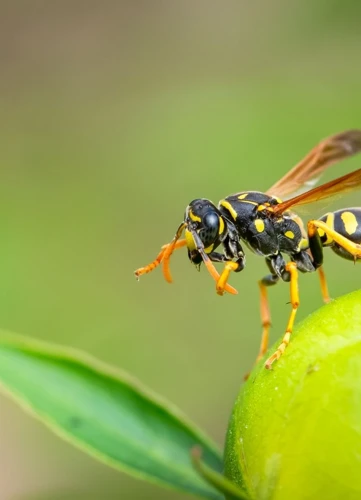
(211, 220)
(210, 228)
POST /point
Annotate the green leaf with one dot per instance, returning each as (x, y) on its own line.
(296, 429)
(106, 413)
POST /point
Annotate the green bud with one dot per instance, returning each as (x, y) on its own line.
(295, 432)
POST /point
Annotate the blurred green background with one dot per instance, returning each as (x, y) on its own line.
(114, 115)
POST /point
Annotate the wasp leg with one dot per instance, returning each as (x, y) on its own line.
(277, 266)
(150, 267)
(228, 268)
(267, 281)
(216, 276)
(291, 267)
(316, 248)
(218, 257)
(166, 271)
(168, 250)
(207, 259)
(348, 245)
(179, 244)
(323, 283)
(232, 250)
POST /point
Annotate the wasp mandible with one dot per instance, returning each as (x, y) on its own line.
(266, 224)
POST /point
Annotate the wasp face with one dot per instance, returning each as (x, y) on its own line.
(204, 219)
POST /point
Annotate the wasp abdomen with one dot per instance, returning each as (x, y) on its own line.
(347, 223)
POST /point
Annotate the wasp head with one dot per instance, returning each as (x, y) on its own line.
(205, 226)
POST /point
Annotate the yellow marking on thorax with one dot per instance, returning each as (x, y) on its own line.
(194, 218)
(265, 206)
(229, 207)
(190, 240)
(300, 224)
(242, 196)
(350, 222)
(221, 225)
(250, 202)
(303, 244)
(259, 225)
(330, 223)
(209, 249)
(290, 234)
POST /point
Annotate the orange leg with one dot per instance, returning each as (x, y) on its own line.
(295, 301)
(266, 320)
(223, 278)
(150, 267)
(179, 244)
(169, 249)
(209, 265)
(324, 287)
(351, 247)
(266, 323)
(164, 257)
(216, 276)
(166, 253)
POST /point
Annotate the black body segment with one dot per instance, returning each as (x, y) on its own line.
(249, 216)
(264, 234)
(270, 229)
(347, 223)
(243, 208)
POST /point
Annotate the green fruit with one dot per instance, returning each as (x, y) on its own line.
(295, 432)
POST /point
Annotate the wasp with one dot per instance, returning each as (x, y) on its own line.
(267, 225)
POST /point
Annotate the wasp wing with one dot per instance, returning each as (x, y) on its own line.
(306, 173)
(344, 184)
